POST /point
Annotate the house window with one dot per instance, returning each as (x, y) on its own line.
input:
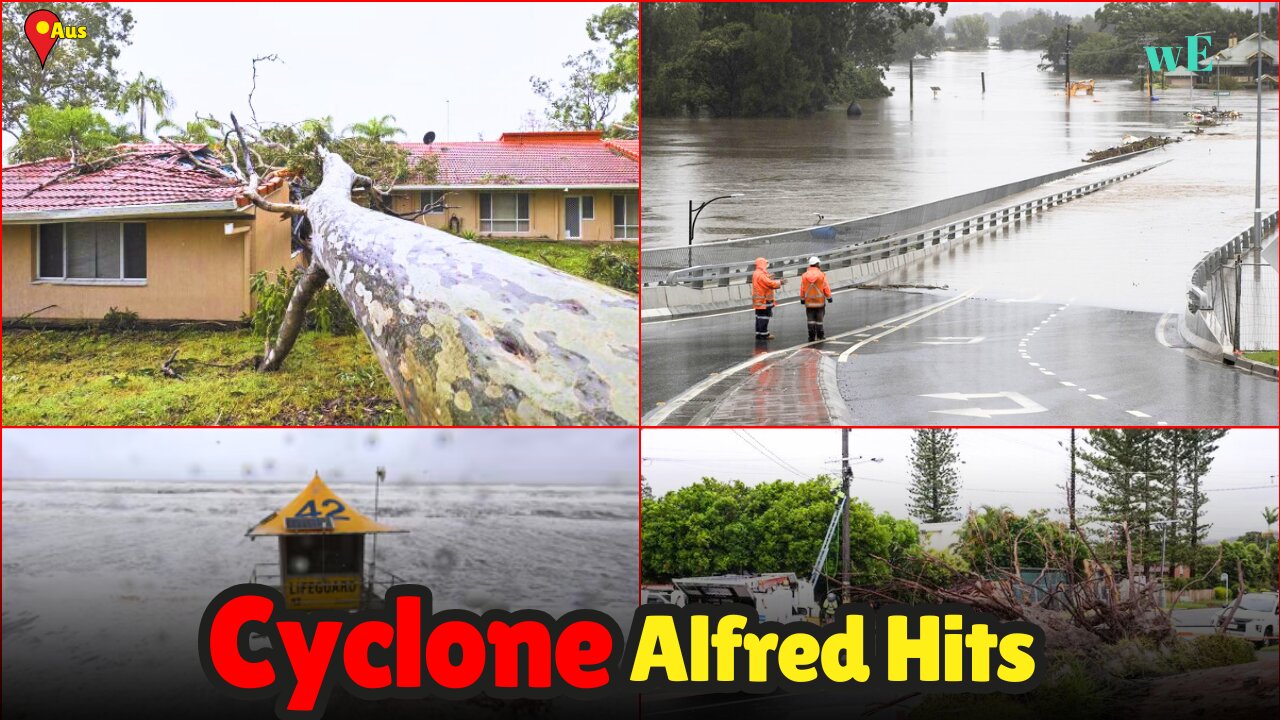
(504, 212)
(588, 207)
(92, 252)
(433, 199)
(626, 217)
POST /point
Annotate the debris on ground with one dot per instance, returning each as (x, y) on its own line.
(1136, 145)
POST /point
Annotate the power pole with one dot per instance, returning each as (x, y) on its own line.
(1068, 57)
(1257, 168)
(846, 475)
(1071, 483)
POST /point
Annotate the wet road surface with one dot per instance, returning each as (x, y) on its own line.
(944, 358)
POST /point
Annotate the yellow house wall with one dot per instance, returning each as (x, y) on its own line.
(194, 272)
(546, 213)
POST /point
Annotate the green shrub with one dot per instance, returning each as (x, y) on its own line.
(1210, 651)
(119, 320)
(608, 266)
(328, 312)
(1220, 593)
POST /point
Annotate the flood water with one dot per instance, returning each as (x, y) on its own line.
(1131, 246)
(105, 582)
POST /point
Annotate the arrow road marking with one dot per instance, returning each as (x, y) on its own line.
(1025, 404)
(954, 340)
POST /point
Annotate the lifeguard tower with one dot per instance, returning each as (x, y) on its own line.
(322, 552)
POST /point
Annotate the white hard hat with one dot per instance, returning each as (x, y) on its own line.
(813, 260)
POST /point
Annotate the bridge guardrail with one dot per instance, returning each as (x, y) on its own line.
(657, 262)
(1214, 318)
(724, 274)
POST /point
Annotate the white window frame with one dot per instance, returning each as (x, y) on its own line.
(41, 279)
(624, 225)
(528, 220)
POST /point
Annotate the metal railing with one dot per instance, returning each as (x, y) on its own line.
(882, 248)
(1215, 294)
(656, 263)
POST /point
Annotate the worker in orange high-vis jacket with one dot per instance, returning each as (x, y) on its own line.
(815, 293)
(762, 287)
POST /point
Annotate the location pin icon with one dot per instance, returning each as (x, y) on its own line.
(39, 28)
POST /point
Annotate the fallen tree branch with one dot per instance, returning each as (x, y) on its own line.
(251, 180)
(295, 316)
(167, 367)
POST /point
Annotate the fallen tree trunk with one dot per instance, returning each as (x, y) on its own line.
(295, 316)
(471, 335)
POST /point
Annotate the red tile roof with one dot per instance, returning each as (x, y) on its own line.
(152, 174)
(534, 158)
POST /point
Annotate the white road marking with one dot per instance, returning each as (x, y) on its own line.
(1097, 397)
(953, 340)
(660, 413)
(844, 356)
(1137, 413)
(1025, 404)
(1068, 384)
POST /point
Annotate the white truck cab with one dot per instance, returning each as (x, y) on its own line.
(775, 597)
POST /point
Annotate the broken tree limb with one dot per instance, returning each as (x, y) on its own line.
(471, 335)
(295, 316)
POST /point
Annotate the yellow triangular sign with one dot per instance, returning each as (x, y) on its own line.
(317, 509)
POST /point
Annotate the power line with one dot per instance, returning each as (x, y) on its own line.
(767, 454)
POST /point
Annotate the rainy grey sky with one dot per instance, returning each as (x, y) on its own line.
(1018, 468)
(359, 60)
(483, 456)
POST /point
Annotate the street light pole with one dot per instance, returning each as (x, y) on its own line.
(846, 475)
(1257, 167)
(693, 218)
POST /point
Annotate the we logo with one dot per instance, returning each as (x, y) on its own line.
(1168, 58)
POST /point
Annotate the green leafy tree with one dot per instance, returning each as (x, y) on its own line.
(379, 129)
(716, 527)
(762, 59)
(919, 41)
(584, 101)
(971, 32)
(1100, 54)
(77, 133)
(139, 94)
(78, 73)
(619, 26)
(1120, 477)
(997, 537)
(1269, 514)
(201, 131)
(935, 480)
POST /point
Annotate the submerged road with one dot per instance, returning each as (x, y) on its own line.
(912, 358)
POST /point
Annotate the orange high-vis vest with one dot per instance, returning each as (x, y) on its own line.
(814, 289)
(762, 286)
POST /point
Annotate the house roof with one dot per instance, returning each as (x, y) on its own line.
(1244, 50)
(1179, 72)
(142, 175)
(525, 159)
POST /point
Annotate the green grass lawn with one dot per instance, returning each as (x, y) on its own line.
(571, 257)
(83, 377)
(1265, 356)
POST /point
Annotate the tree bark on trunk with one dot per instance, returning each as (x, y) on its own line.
(295, 316)
(471, 335)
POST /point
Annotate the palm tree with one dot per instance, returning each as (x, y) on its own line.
(201, 131)
(379, 128)
(1270, 514)
(140, 93)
